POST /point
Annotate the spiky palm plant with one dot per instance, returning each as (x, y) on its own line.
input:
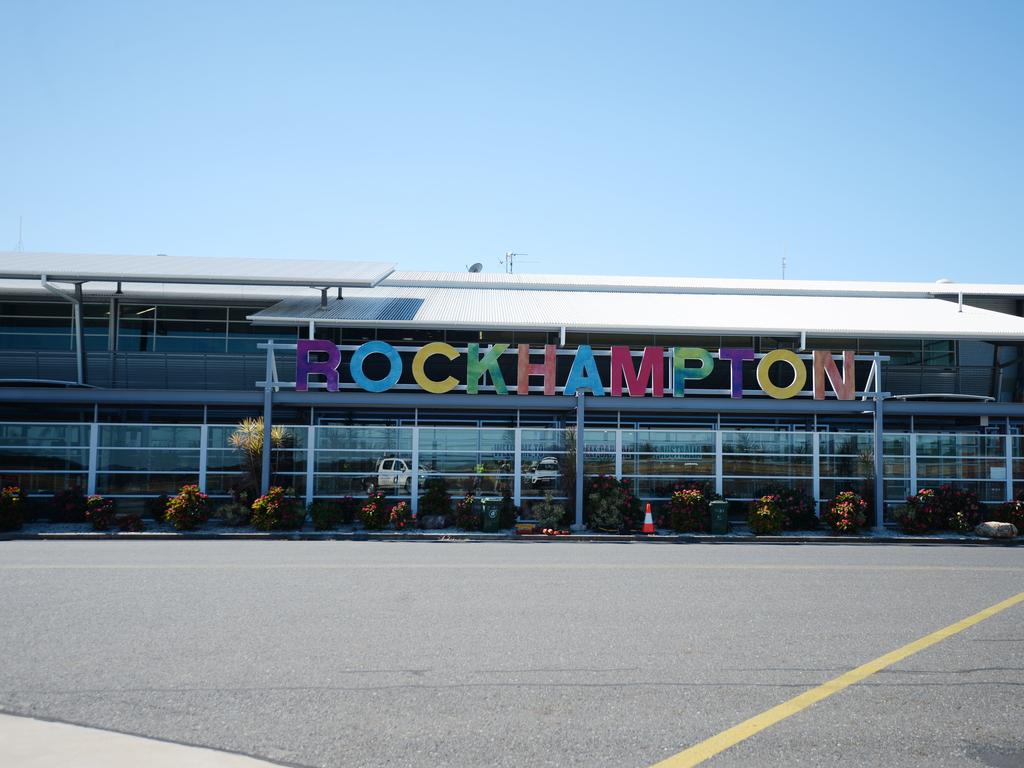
(247, 439)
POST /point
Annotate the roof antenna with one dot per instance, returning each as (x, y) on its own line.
(507, 262)
(783, 267)
(21, 245)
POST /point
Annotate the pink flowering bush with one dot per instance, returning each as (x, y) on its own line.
(845, 513)
(609, 504)
(277, 510)
(12, 503)
(766, 516)
(400, 515)
(101, 512)
(189, 509)
(374, 514)
(689, 510)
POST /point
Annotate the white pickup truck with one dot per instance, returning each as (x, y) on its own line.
(543, 472)
(393, 475)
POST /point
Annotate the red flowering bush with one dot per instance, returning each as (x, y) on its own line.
(68, 506)
(101, 512)
(1009, 512)
(609, 504)
(277, 511)
(374, 515)
(400, 515)
(12, 503)
(189, 509)
(797, 507)
(919, 514)
(688, 510)
(958, 509)
(846, 512)
(467, 514)
(766, 516)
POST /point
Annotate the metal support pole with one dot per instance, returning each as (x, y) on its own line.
(719, 484)
(1009, 460)
(204, 446)
(94, 455)
(310, 463)
(816, 482)
(414, 480)
(268, 396)
(83, 375)
(580, 408)
(517, 468)
(879, 446)
(618, 454)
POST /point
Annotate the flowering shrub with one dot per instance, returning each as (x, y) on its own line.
(68, 506)
(189, 509)
(959, 510)
(400, 515)
(766, 516)
(797, 507)
(277, 511)
(548, 513)
(919, 514)
(374, 515)
(100, 512)
(689, 509)
(1009, 512)
(846, 512)
(467, 517)
(12, 503)
(609, 504)
(330, 513)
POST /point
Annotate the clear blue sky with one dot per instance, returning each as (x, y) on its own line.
(876, 140)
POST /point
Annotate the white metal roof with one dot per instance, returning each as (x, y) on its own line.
(639, 312)
(608, 283)
(72, 267)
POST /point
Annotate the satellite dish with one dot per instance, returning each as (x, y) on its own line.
(476, 267)
(943, 280)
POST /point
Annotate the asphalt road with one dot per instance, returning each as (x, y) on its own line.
(516, 654)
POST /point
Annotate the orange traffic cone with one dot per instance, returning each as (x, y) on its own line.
(648, 520)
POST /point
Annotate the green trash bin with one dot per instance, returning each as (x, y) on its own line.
(719, 517)
(490, 510)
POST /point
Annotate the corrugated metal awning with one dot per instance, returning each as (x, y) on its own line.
(684, 314)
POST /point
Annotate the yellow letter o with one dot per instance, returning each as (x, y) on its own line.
(799, 373)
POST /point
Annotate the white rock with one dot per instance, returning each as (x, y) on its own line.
(994, 530)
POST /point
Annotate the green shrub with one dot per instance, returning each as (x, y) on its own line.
(1009, 512)
(846, 513)
(400, 515)
(156, 507)
(609, 504)
(101, 512)
(374, 514)
(435, 500)
(958, 509)
(548, 513)
(797, 507)
(68, 506)
(276, 510)
(235, 514)
(467, 516)
(12, 503)
(330, 513)
(766, 516)
(189, 509)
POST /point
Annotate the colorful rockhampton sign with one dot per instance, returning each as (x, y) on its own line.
(321, 359)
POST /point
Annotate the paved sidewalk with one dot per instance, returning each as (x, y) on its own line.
(29, 743)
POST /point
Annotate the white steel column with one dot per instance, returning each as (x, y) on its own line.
(517, 467)
(94, 456)
(1009, 462)
(203, 453)
(718, 462)
(912, 450)
(310, 462)
(618, 454)
(816, 482)
(414, 482)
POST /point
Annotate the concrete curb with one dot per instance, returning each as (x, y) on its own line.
(463, 536)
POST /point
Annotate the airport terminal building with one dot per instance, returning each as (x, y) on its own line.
(127, 375)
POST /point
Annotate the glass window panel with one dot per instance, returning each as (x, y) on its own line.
(654, 464)
(44, 483)
(29, 459)
(151, 461)
(543, 440)
(144, 483)
(961, 468)
(149, 436)
(768, 466)
(756, 441)
(740, 488)
(195, 314)
(668, 441)
(36, 308)
(44, 435)
(382, 439)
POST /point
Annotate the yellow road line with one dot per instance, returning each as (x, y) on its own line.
(710, 747)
